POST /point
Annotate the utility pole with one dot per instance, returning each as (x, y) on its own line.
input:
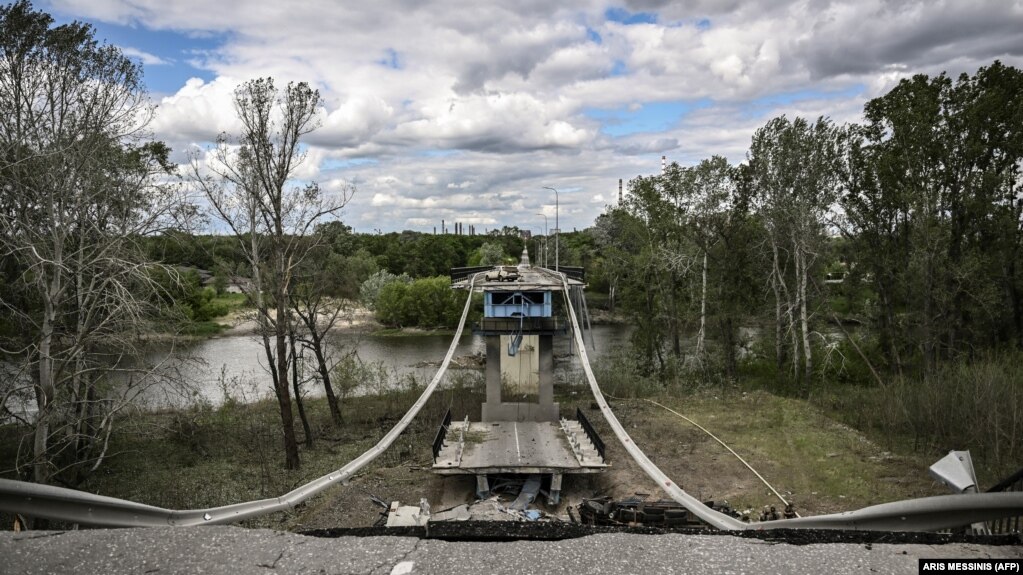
(544, 237)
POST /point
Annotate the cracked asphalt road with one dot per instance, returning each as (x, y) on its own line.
(236, 550)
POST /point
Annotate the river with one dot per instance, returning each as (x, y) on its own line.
(235, 366)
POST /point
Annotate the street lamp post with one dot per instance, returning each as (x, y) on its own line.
(544, 236)
(557, 229)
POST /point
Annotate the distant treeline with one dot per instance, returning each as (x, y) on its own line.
(413, 253)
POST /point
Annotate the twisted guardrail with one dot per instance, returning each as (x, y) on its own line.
(925, 514)
(51, 502)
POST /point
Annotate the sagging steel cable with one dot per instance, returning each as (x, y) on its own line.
(695, 506)
(723, 444)
(51, 502)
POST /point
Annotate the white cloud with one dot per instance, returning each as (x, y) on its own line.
(468, 108)
(146, 58)
(199, 111)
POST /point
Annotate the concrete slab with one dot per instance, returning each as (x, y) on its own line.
(511, 447)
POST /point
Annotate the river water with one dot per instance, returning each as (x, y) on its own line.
(235, 366)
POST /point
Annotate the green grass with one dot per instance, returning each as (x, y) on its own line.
(205, 457)
(202, 329)
(231, 299)
(824, 465)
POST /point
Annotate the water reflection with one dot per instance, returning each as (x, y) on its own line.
(236, 366)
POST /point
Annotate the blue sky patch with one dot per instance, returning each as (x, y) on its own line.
(340, 164)
(623, 16)
(593, 36)
(703, 24)
(651, 117)
(390, 59)
(438, 153)
(174, 48)
(757, 107)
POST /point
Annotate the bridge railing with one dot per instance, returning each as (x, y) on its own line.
(598, 443)
(442, 432)
(1008, 524)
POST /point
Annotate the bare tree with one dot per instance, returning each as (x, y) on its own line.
(319, 307)
(251, 186)
(80, 187)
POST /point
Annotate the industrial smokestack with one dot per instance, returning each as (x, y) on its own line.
(664, 164)
(619, 191)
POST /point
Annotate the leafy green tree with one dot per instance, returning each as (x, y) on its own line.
(369, 292)
(488, 254)
(425, 302)
(78, 189)
(796, 168)
(933, 208)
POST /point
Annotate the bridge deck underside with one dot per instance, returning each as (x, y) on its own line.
(513, 447)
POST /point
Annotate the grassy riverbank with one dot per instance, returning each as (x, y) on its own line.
(207, 457)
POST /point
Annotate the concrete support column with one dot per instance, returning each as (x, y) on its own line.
(493, 377)
(555, 492)
(482, 486)
(546, 392)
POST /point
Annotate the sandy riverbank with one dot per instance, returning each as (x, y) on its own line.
(243, 322)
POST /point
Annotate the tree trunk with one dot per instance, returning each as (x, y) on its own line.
(703, 311)
(889, 341)
(278, 364)
(676, 337)
(291, 457)
(298, 392)
(781, 294)
(44, 395)
(779, 349)
(324, 369)
(803, 322)
(791, 305)
(46, 389)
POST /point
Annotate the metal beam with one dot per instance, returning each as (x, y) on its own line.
(924, 514)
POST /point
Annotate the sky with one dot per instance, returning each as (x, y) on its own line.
(467, 110)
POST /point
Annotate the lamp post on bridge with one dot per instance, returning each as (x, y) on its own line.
(557, 229)
(544, 237)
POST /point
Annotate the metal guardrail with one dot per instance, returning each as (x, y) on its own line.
(1008, 524)
(595, 439)
(925, 514)
(51, 502)
(501, 325)
(442, 432)
(574, 272)
(706, 514)
(459, 274)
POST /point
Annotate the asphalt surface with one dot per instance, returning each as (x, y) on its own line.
(237, 550)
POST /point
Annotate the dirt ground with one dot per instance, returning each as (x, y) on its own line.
(242, 321)
(821, 466)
